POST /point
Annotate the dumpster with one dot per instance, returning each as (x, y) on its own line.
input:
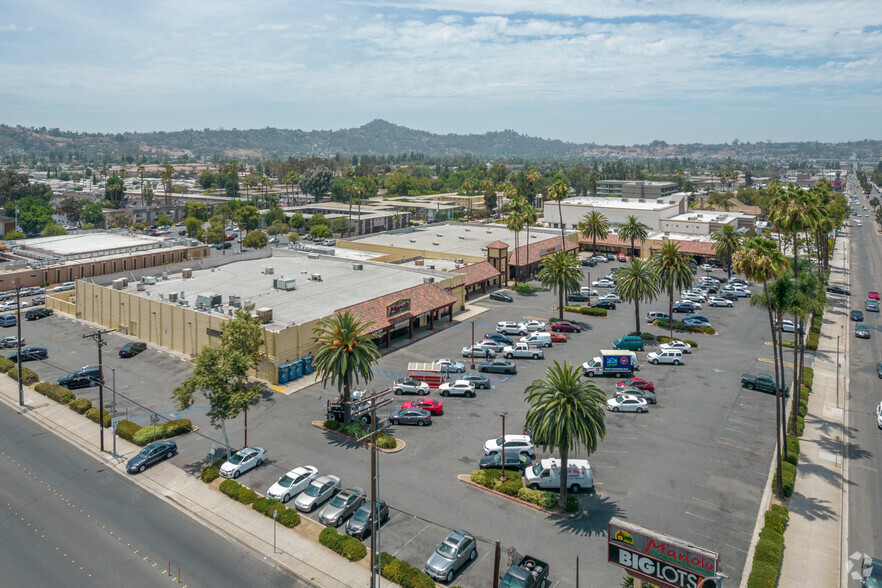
(284, 373)
(307, 365)
(296, 369)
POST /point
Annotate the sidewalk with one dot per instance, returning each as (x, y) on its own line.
(295, 551)
(813, 539)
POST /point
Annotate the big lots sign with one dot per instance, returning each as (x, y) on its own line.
(660, 559)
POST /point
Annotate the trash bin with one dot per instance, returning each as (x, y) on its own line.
(296, 369)
(307, 365)
(284, 373)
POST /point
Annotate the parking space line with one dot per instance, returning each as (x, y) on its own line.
(718, 523)
(411, 539)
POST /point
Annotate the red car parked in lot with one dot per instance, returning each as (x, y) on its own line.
(436, 407)
(873, 294)
(639, 383)
(566, 327)
(558, 337)
(622, 257)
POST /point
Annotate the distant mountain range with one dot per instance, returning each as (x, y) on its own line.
(380, 137)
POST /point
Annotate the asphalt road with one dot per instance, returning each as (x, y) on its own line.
(69, 521)
(863, 439)
(694, 467)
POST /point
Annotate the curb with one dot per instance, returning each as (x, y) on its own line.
(399, 444)
(464, 478)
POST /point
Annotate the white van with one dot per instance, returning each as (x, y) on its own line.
(546, 475)
(537, 339)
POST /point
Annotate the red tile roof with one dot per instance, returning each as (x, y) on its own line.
(497, 245)
(705, 248)
(533, 252)
(477, 273)
(423, 298)
(613, 240)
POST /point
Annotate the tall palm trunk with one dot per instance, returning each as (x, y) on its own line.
(795, 255)
(637, 314)
(560, 216)
(797, 372)
(671, 309)
(779, 484)
(564, 460)
(560, 294)
(347, 402)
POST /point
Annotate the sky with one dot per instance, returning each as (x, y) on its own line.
(614, 72)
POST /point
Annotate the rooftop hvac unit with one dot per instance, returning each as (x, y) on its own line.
(161, 296)
(119, 283)
(435, 244)
(428, 280)
(459, 261)
(164, 275)
(236, 301)
(357, 267)
(140, 287)
(186, 273)
(268, 271)
(419, 261)
(432, 266)
(265, 315)
(439, 235)
(316, 277)
(283, 284)
(149, 280)
(172, 296)
(413, 240)
(208, 300)
(312, 256)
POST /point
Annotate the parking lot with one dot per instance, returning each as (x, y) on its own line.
(694, 467)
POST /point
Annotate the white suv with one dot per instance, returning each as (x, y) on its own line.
(519, 443)
(674, 356)
(510, 328)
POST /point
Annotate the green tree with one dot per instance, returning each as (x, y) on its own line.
(567, 412)
(255, 240)
(297, 220)
(671, 267)
(278, 228)
(562, 274)
(320, 232)
(93, 214)
(167, 177)
(345, 355)
(726, 242)
(221, 373)
(193, 225)
(794, 214)
(633, 230)
(120, 221)
(197, 210)
(163, 220)
(637, 282)
(340, 225)
(874, 202)
(316, 182)
(810, 298)
(515, 223)
(273, 215)
(72, 208)
(489, 190)
(593, 226)
(52, 229)
(215, 232)
(14, 236)
(247, 217)
(557, 192)
(115, 191)
(758, 259)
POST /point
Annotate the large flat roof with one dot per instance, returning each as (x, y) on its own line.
(456, 238)
(621, 203)
(340, 285)
(88, 243)
(706, 216)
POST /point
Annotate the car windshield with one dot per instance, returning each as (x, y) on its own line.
(286, 481)
(313, 490)
(144, 453)
(237, 459)
(361, 515)
(447, 550)
(338, 501)
(512, 582)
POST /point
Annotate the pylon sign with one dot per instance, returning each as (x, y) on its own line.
(660, 559)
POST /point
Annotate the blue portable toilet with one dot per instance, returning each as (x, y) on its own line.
(296, 369)
(307, 365)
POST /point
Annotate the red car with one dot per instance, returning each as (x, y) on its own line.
(436, 407)
(623, 257)
(558, 337)
(639, 383)
(566, 327)
(873, 294)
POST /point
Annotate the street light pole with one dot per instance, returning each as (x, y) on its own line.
(473, 345)
(502, 454)
(18, 355)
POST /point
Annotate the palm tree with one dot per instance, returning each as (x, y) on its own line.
(558, 191)
(528, 213)
(793, 214)
(634, 230)
(346, 352)
(515, 223)
(758, 259)
(593, 226)
(561, 273)
(566, 412)
(637, 282)
(671, 267)
(726, 242)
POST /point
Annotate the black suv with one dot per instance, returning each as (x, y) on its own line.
(34, 314)
(132, 349)
(82, 378)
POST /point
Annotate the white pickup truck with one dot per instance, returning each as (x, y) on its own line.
(522, 350)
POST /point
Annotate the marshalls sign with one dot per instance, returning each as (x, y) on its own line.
(660, 559)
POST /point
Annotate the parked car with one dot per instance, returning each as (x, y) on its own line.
(719, 301)
(654, 315)
(612, 297)
(450, 366)
(513, 459)
(359, 524)
(588, 291)
(411, 416)
(292, 483)
(65, 287)
(677, 345)
(86, 376)
(735, 293)
(857, 316)
(577, 297)
(729, 296)
(242, 461)
(477, 350)
(11, 341)
(787, 326)
(498, 366)
(860, 331)
(341, 506)
(501, 296)
(450, 555)
(634, 391)
(631, 342)
(520, 443)
(318, 491)
(607, 304)
(686, 306)
(566, 327)
(510, 328)
(637, 383)
(409, 386)
(693, 322)
(436, 407)
(694, 297)
(672, 356)
(838, 290)
(533, 325)
(480, 381)
(706, 267)
(457, 388)
(8, 320)
(627, 403)
(35, 314)
(38, 300)
(132, 349)
(151, 454)
(603, 283)
(558, 337)
(871, 305)
(30, 354)
(498, 337)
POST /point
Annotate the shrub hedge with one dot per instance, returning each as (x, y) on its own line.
(666, 339)
(587, 310)
(808, 377)
(403, 574)
(541, 498)
(28, 377)
(247, 495)
(92, 414)
(792, 449)
(58, 393)
(80, 405)
(644, 336)
(231, 488)
(164, 430)
(6, 364)
(331, 424)
(766, 565)
(513, 486)
(208, 474)
(385, 441)
(788, 478)
(126, 429)
(523, 288)
(681, 326)
(572, 503)
(347, 546)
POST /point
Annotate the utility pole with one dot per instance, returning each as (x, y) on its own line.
(375, 400)
(18, 343)
(113, 371)
(98, 337)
